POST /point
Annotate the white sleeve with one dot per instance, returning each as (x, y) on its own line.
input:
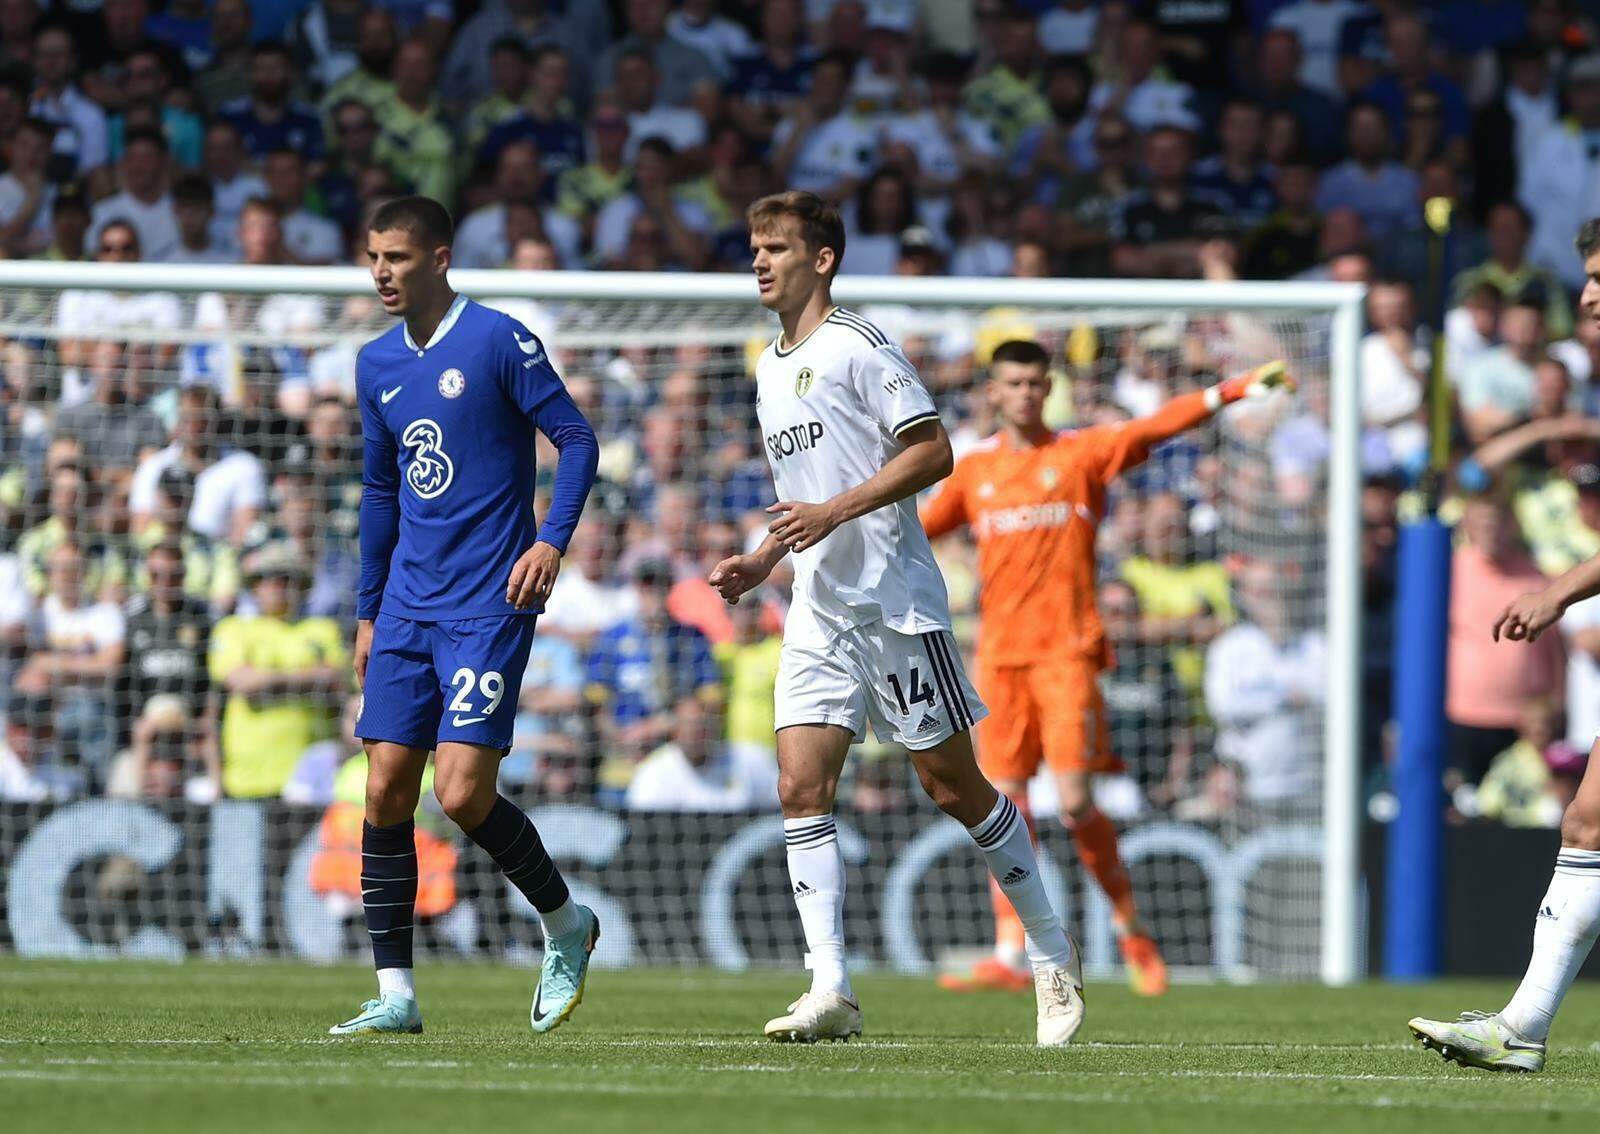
(1240, 684)
(248, 487)
(107, 626)
(893, 392)
(146, 478)
(645, 789)
(611, 226)
(1583, 615)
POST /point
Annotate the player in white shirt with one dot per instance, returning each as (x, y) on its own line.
(852, 436)
(1568, 921)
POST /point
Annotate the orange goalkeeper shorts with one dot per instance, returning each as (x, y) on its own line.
(1049, 712)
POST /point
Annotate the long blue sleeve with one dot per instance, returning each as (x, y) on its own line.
(380, 509)
(559, 418)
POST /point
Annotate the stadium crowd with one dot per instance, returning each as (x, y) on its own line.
(178, 576)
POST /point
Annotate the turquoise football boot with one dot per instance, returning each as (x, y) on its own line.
(562, 977)
(391, 1012)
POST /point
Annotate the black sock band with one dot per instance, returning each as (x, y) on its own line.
(389, 891)
(509, 837)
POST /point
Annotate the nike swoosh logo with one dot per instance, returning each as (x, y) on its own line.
(459, 721)
(538, 998)
(387, 395)
(1518, 1045)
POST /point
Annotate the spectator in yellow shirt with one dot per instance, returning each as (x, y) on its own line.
(283, 676)
(1185, 604)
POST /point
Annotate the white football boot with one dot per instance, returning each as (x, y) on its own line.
(1479, 1039)
(1060, 996)
(816, 1016)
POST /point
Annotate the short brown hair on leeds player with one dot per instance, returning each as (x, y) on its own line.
(821, 226)
(425, 219)
(1024, 351)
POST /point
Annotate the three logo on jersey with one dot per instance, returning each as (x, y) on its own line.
(431, 469)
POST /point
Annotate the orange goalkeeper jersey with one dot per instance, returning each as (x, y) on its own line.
(1034, 513)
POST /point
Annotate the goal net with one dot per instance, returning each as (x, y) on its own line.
(180, 488)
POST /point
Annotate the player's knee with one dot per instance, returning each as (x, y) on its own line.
(460, 799)
(804, 795)
(1076, 802)
(942, 789)
(1580, 828)
(389, 800)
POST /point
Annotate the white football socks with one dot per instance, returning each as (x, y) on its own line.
(563, 921)
(816, 881)
(1003, 839)
(397, 981)
(1563, 933)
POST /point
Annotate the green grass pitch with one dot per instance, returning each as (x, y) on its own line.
(114, 1047)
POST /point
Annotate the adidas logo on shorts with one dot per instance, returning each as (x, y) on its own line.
(928, 723)
(1016, 874)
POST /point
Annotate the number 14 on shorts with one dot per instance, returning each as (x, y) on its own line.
(921, 691)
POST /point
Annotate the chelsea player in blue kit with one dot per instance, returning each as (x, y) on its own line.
(453, 575)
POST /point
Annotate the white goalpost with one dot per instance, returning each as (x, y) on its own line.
(1250, 870)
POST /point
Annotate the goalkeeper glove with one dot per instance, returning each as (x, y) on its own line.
(1257, 383)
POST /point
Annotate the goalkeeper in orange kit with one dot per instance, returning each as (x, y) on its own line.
(1033, 499)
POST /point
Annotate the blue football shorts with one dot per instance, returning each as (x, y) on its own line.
(433, 682)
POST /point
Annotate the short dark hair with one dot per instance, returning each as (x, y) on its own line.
(192, 189)
(1532, 298)
(71, 198)
(658, 146)
(425, 219)
(165, 547)
(145, 134)
(637, 51)
(1024, 351)
(40, 126)
(835, 59)
(1069, 64)
(1516, 207)
(1589, 238)
(271, 47)
(124, 223)
(510, 43)
(539, 54)
(820, 224)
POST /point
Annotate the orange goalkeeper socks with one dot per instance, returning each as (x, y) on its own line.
(1096, 839)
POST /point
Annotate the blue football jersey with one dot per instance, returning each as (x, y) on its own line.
(448, 431)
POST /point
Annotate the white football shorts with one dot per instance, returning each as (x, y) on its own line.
(911, 687)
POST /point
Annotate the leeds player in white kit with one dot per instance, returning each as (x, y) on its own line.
(852, 436)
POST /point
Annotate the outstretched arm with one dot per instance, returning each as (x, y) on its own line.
(1513, 442)
(925, 460)
(1128, 445)
(1529, 615)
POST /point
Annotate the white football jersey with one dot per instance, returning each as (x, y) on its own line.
(831, 410)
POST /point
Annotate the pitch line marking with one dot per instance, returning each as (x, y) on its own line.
(699, 1089)
(1421, 1076)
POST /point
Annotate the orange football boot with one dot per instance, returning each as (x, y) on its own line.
(1147, 972)
(989, 975)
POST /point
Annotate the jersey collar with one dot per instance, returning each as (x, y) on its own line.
(442, 329)
(785, 352)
